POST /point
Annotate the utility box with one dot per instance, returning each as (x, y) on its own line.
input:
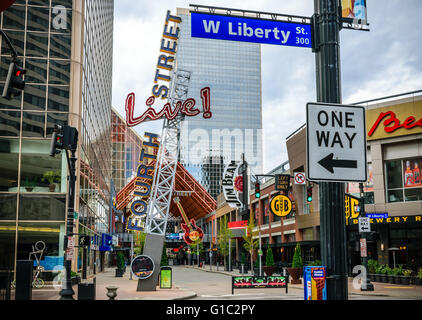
(24, 274)
(86, 291)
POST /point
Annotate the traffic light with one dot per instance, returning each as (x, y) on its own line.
(309, 194)
(14, 81)
(64, 137)
(257, 190)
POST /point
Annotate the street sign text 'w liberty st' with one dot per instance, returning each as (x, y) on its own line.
(336, 142)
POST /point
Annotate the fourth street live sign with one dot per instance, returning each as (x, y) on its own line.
(336, 142)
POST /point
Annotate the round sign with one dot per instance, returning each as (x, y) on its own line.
(280, 205)
(142, 267)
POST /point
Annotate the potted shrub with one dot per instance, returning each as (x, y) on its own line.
(51, 177)
(418, 280)
(269, 267)
(390, 275)
(75, 278)
(120, 264)
(377, 275)
(397, 274)
(405, 279)
(383, 274)
(29, 184)
(372, 268)
(297, 266)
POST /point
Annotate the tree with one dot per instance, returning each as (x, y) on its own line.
(164, 260)
(194, 246)
(250, 243)
(269, 258)
(224, 237)
(139, 242)
(297, 257)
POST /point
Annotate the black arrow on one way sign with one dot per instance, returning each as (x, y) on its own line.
(329, 163)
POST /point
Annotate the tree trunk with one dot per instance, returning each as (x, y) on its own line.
(251, 261)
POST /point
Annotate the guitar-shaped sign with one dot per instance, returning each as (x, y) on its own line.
(192, 231)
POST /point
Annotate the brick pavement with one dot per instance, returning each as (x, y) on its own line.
(126, 291)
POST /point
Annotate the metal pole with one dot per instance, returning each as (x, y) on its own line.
(333, 225)
(260, 255)
(197, 253)
(67, 292)
(131, 255)
(366, 284)
(230, 254)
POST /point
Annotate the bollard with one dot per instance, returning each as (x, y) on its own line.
(112, 292)
(243, 269)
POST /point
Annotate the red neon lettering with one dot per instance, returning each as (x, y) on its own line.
(187, 108)
(407, 124)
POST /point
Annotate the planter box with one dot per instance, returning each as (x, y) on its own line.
(295, 273)
(405, 280)
(75, 280)
(418, 281)
(119, 272)
(269, 270)
(397, 279)
(383, 278)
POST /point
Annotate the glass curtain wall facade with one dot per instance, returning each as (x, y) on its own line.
(33, 185)
(232, 70)
(126, 146)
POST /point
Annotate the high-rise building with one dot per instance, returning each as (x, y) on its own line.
(66, 48)
(232, 70)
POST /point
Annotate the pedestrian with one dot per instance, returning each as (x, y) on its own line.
(413, 266)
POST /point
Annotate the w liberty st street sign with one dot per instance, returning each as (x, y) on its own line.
(213, 26)
(336, 142)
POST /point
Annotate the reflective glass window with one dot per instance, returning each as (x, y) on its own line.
(59, 72)
(60, 45)
(8, 206)
(10, 123)
(55, 118)
(33, 124)
(58, 98)
(17, 40)
(14, 18)
(38, 19)
(7, 244)
(36, 44)
(9, 161)
(39, 171)
(36, 70)
(42, 207)
(34, 97)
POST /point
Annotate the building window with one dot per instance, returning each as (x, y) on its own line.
(403, 180)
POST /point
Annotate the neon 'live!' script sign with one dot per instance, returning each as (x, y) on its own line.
(186, 107)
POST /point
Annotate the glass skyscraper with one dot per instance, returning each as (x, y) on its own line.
(66, 48)
(232, 70)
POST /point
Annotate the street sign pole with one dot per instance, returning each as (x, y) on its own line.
(332, 223)
(366, 284)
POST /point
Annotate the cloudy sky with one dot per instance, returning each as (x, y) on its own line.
(385, 61)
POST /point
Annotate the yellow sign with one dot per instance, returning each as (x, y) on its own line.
(280, 205)
(394, 121)
(350, 205)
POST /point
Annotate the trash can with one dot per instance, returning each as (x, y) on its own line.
(86, 291)
(166, 278)
(24, 274)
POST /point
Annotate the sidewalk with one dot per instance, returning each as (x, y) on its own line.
(380, 289)
(126, 291)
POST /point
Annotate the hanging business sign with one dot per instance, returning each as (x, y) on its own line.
(336, 142)
(142, 267)
(234, 28)
(281, 205)
(354, 11)
(232, 183)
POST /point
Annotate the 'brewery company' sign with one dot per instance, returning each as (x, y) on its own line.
(233, 184)
(142, 267)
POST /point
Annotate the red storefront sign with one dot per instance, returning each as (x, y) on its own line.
(392, 123)
(238, 224)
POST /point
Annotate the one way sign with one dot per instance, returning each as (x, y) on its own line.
(336, 142)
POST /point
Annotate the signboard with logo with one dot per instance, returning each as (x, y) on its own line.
(351, 203)
(281, 205)
(394, 121)
(354, 11)
(336, 142)
(165, 278)
(142, 267)
(315, 283)
(234, 28)
(251, 282)
(282, 182)
(232, 183)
